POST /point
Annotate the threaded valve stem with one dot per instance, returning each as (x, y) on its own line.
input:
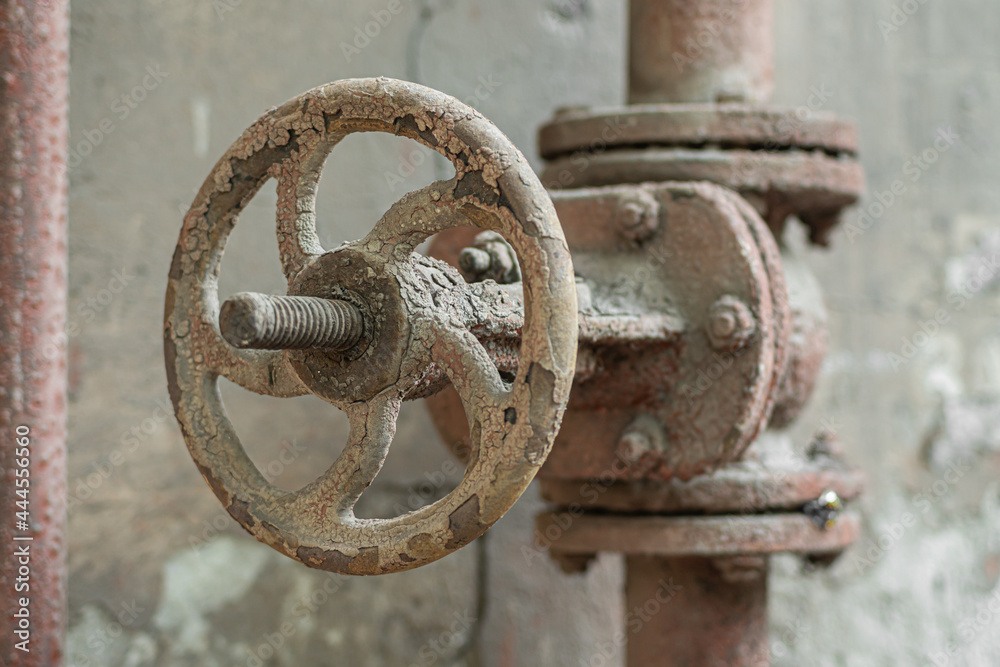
(249, 320)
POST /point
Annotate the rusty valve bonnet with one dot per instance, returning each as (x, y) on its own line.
(262, 322)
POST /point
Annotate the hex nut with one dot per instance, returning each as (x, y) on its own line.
(638, 217)
(490, 257)
(642, 439)
(730, 324)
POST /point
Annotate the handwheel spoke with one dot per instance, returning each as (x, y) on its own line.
(332, 497)
(295, 217)
(469, 367)
(413, 218)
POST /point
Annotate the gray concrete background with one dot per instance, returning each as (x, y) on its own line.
(159, 575)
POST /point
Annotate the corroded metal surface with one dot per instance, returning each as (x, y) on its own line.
(706, 247)
(704, 536)
(713, 618)
(807, 344)
(700, 51)
(814, 186)
(710, 404)
(699, 69)
(698, 57)
(695, 126)
(34, 66)
(744, 486)
(514, 420)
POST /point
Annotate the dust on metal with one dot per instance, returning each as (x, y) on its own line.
(412, 309)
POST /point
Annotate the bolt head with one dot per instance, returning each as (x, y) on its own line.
(490, 257)
(644, 436)
(730, 324)
(633, 445)
(473, 262)
(241, 319)
(638, 217)
(723, 325)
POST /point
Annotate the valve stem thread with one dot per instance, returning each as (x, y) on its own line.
(249, 320)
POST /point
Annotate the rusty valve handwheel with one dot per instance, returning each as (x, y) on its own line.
(361, 327)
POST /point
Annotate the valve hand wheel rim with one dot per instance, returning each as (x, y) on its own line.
(514, 424)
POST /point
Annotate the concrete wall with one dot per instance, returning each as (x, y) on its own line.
(159, 574)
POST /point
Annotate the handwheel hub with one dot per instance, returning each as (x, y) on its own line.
(374, 363)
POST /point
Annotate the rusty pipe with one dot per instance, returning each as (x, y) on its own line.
(701, 51)
(696, 611)
(34, 72)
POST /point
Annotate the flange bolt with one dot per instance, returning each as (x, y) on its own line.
(730, 324)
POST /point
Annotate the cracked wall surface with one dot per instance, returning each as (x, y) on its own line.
(160, 575)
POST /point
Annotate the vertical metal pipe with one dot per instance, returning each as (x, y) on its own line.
(701, 51)
(34, 70)
(718, 615)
